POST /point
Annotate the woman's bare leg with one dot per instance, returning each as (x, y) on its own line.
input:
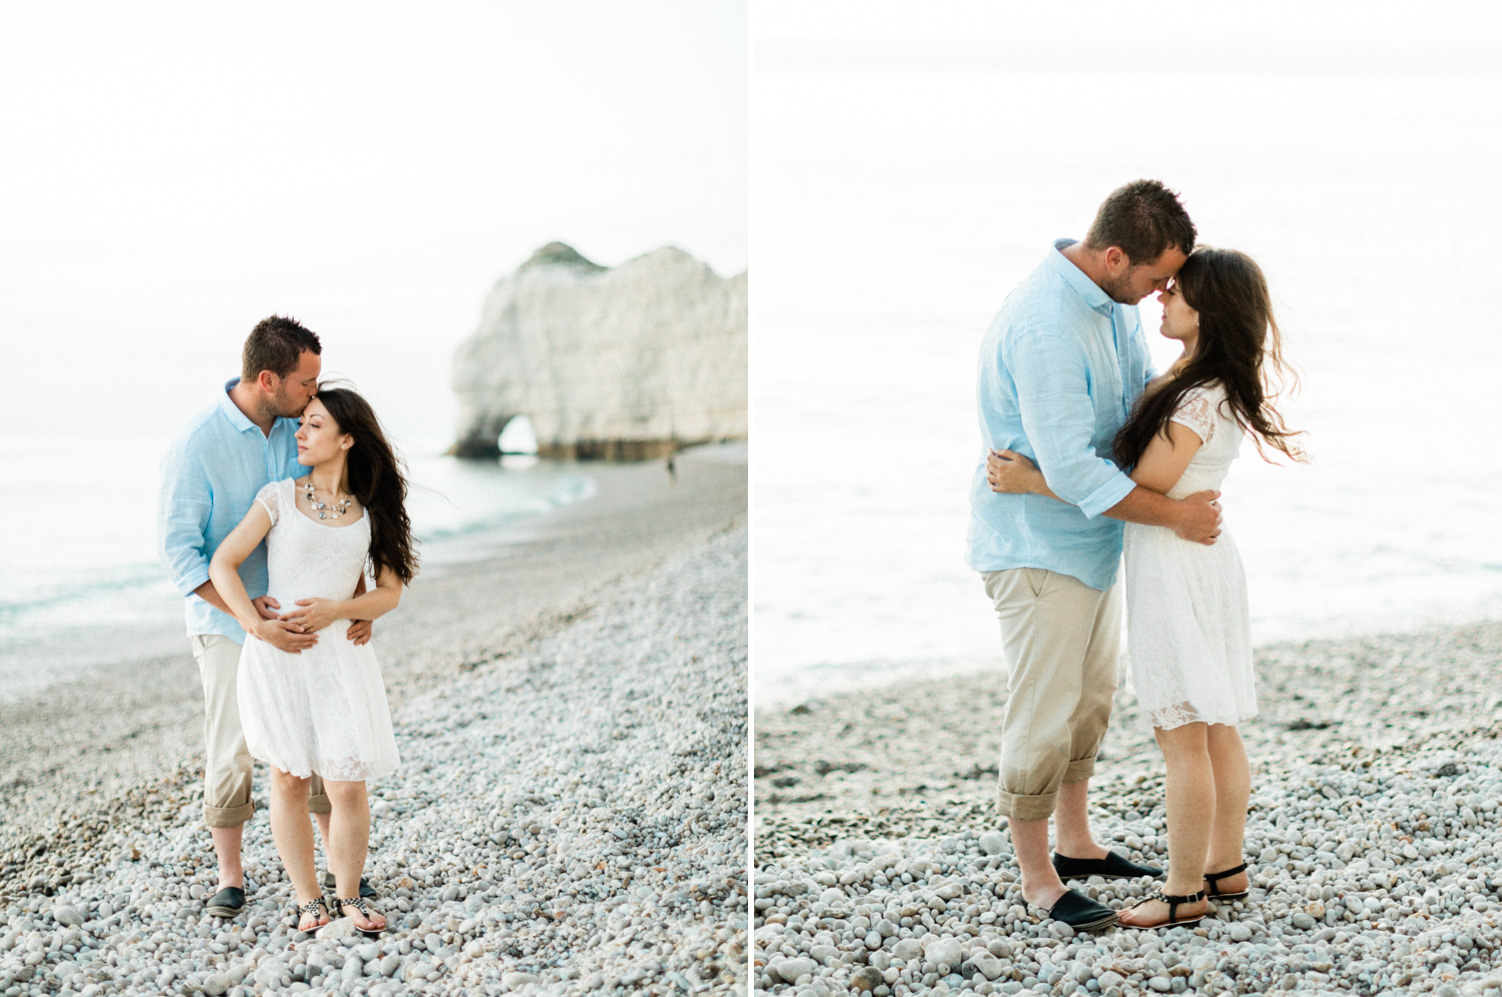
(1191, 807)
(1233, 788)
(347, 843)
(293, 834)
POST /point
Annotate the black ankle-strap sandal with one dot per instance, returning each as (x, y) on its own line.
(1174, 902)
(317, 908)
(1211, 878)
(359, 904)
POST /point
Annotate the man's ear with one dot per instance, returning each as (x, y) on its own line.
(267, 381)
(1116, 260)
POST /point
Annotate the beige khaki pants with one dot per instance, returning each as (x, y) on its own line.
(226, 770)
(1062, 639)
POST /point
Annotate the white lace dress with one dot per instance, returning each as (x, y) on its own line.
(323, 710)
(1188, 627)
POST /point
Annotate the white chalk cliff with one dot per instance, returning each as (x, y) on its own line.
(624, 363)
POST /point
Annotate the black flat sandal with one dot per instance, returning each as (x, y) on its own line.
(1174, 903)
(1211, 878)
(359, 904)
(314, 907)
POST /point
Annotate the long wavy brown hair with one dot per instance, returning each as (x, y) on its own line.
(375, 476)
(1239, 345)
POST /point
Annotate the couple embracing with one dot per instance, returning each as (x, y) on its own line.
(274, 500)
(1089, 453)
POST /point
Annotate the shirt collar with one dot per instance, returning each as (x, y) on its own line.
(1076, 279)
(232, 411)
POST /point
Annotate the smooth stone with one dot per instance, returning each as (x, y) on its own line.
(343, 927)
(824, 953)
(991, 967)
(908, 949)
(993, 843)
(514, 980)
(788, 970)
(866, 979)
(944, 952)
(70, 916)
(273, 973)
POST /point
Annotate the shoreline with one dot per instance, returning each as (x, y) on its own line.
(1372, 836)
(818, 681)
(599, 611)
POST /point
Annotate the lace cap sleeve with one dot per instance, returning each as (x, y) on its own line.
(267, 497)
(1197, 411)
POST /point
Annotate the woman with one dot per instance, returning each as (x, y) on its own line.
(1188, 624)
(322, 710)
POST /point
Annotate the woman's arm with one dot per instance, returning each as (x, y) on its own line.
(1195, 517)
(224, 572)
(1163, 462)
(1161, 466)
(315, 614)
(1012, 473)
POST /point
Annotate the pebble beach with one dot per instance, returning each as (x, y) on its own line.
(1374, 838)
(570, 814)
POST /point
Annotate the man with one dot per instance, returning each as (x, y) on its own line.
(1060, 368)
(210, 477)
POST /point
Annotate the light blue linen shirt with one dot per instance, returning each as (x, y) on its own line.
(210, 477)
(1060, 368)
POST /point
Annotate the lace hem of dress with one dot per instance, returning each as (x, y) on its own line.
(344, 770)
(1179, 714)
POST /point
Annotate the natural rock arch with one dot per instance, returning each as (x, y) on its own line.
(625, 363)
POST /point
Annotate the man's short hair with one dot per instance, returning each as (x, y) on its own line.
(275, 344)
(1143, 218)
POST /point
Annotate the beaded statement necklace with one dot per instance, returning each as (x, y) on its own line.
(326, 510)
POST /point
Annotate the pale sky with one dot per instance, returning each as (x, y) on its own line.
(1108, 36)
(175, 171)
(1167, 22)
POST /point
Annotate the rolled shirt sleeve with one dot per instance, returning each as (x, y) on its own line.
(183, 512)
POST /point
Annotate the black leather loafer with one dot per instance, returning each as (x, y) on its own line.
(1081, 913)
(1113, 866)
(228, 902)
(366, 890)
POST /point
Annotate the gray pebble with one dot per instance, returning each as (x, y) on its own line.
(70, 916)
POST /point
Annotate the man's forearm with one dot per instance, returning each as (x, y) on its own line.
(1147, 507)
(209, 594)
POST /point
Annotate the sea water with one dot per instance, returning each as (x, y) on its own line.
(893, 213)
(82, 586)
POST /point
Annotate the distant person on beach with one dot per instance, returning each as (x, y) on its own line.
(210, 477)
(321, 707)
(1060, 368)
(1187, 617)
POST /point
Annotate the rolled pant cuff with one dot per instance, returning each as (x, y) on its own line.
(227, 816)
(1017, 807)
(319, 804)
(1079, 771)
